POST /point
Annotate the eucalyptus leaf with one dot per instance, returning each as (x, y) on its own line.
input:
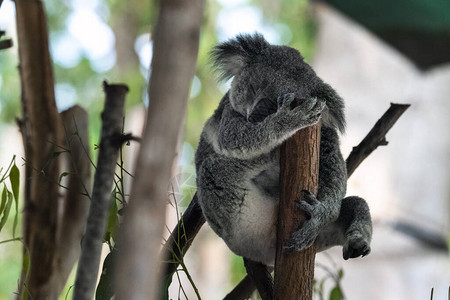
(341, 273)
(14, 178)
(105, 288)
(8, 205)
(113, 219)
(336, 293)
(3, 203)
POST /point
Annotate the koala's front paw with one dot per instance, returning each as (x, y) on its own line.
(287, 101)
(307, 234)
(355, 246)
(299, 113)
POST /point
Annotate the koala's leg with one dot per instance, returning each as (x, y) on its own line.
(352, 229)
(356, 223)
(261, 278)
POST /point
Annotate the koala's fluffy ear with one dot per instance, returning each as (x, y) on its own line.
(231, 56)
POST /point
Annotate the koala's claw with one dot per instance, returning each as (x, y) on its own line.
(355, 247)
(285, 100)
(309, 105)
(308, 204)
(310, 198)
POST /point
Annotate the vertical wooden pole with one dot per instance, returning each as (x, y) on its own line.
(299, 170)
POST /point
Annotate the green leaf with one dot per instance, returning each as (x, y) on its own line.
(113, 219)
(16, 215)
(14, 177)
(3, 203)
(105, 288)
(9, 202)
(336, 293)
(340, 274)
(64, 174)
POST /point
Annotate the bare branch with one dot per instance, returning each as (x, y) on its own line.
(5, 44)
(89, 262)
(376, 136)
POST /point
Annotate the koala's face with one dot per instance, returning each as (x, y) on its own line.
(275, 71)
(263, 72)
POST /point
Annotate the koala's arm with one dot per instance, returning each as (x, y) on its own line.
(237, 137)
(332, 173)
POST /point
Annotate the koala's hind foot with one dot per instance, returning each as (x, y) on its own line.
(355, 246)
(306, 235)
(356, 224)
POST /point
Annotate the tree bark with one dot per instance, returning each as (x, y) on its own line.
(75, 204)
(41, 132)
(299, 170)
(110, 141)
(176, 41)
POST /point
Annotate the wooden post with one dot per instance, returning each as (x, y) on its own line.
(299, 170)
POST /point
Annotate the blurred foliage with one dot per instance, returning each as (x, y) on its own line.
(139, 18)
(9, 217)
(128, 21)
(330, 283)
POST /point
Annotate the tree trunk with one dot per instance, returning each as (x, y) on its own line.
(41, 132)
(299, 170)
(176, 41)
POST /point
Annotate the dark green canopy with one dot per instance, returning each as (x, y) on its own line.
(420, 29)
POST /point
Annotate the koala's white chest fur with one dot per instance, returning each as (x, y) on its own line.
(255, 232)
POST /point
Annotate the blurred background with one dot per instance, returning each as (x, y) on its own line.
(372, 53)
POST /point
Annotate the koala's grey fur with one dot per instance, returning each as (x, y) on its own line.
(237, 160)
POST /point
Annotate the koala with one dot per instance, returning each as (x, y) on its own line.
(273, 94)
